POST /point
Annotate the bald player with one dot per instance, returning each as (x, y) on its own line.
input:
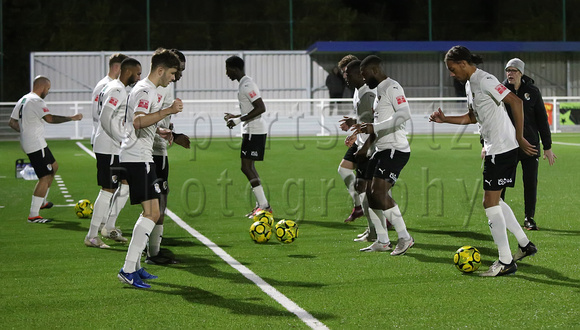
(28, 118)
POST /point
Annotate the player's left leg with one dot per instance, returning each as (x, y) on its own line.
(530, 178)
(45, 167)
(249, 169)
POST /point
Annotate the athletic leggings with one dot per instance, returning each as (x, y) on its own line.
(530, 178)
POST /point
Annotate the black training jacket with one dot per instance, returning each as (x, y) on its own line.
(535, 118)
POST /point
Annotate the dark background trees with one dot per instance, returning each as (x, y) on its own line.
(80, 25)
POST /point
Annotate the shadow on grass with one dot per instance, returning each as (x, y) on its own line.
(199, 266)
(567, 232)
(332, 224)
(237, 306)
(67, 225)
(553, 277)
(455, 233)
(179, 241)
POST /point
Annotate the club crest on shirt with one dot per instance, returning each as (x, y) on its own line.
(97, 98)
(401, 99)
(159, 97)
(143, 104)
(527, 96)
(252, 94)
(500, 88)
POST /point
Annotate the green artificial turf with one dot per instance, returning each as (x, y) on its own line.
(51, 280)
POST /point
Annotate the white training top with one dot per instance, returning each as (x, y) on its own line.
(484, 96)
(29, 112)
(167, 97)
(248, 92)
(95, 104)
(112, 106)
(363, 100)
(390, 99)
(137, 146)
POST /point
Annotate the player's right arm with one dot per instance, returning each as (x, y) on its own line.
(465, 119)
(142, 103)
(365, 107)
(13, 123)
(107, 115)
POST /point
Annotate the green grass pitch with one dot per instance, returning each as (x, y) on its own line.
(49, 279)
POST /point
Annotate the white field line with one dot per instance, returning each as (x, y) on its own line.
(291, 306)
(567, 144)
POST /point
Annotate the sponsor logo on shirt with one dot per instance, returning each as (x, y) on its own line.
(45, 109)
(401, 99)
(254, 153)
(500, 88)
(252, 94)
(97, 98)
(143, 104)
(159, 97)
(113, 101)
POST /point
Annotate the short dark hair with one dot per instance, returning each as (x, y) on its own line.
(371, 60)
(166, 58)
(129, 62)
(355, 65)
(117, 58)
(235, 62)
(461, 53)
(179, 54)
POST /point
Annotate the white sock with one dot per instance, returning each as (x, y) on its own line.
(512, 224)
(378, 219)
(117, 203)
(349, 179)
(46, 196)
(141, 231)
(396, 219)
(100, 210)
(498, 232)
(261, 197)
(369, 214)
(155, 240)
(35, 206)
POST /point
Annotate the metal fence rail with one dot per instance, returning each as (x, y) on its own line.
(284, 117)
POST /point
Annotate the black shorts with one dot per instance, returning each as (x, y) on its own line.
(107, 171)
(253, 146)
(42, 161)
(349, 155)
(387, 164)
(162, 172)
(143, 183)
(499, 171)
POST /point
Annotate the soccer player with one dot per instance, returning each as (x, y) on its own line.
(485, 100)
(28, 118)
(143, 113)
(107, 145)
(114, 71)
(162, 166)
(347, 164)
(392, 152)
(535, 125)
(362, 142)
(254, 129)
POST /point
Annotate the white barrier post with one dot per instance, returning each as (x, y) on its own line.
(76, 108)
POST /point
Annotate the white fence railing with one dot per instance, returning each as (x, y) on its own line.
(284, 117)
